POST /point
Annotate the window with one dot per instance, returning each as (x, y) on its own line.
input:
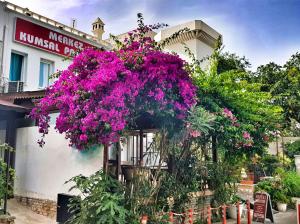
(16, 67)
(46, 69)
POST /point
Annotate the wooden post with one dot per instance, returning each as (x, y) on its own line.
(141, 148)
(248, 212)
(9, 157)
(118, 162)
(224, 214)
(209, 215)
(144, 219)
(190, 216)
(214, 149)
(105, 159)
(238, 213)
(171, 217)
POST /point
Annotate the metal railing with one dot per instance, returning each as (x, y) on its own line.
(7, 86)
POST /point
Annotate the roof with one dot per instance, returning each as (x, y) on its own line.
(197, 30)
(6, 105)
(98, 20)
(22, 95)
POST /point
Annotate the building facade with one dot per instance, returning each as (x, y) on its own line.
(32, 48)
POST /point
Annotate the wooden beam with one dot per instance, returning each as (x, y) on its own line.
(214, 149)
(118, 162)
(105, 159)
(141, 148)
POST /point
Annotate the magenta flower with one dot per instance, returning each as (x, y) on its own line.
(100, 92)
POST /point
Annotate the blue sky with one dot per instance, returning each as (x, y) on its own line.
(262, 30)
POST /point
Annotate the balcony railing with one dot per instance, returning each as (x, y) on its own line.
(7, 86)
(15, 86)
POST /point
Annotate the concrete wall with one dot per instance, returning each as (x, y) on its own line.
(198, 48)
(41, 172)
(33, 56)
(273, 146)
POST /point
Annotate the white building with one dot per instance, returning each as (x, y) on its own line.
(32, 47)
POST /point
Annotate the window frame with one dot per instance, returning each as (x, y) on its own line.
(23, 75)
(50, 72)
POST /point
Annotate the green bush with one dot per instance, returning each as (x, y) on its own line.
(270, 163)
(292, 149)
(6, 189)
(101, 200)
(291, 181)
(281, 188)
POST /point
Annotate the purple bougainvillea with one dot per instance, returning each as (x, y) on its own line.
(101, 91)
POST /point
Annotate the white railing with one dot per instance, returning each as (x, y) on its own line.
(15, 86)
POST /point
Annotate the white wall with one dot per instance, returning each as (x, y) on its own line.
(41, 172)
(281, 141)
(197, 47)
(33, 55)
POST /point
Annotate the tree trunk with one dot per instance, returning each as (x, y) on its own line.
(214, 149)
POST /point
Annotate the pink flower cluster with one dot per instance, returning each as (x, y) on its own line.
(247, 140)
(227, 113)
(100, 92)
(192, 132)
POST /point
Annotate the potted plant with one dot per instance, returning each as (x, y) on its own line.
(232, 210)
(281, 200)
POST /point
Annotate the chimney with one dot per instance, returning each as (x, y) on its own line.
(98, 29)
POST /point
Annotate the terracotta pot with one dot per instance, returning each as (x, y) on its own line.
(281, 206)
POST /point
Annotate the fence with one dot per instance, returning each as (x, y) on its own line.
(190, 216)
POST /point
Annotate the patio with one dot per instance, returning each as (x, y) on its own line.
(25, 216)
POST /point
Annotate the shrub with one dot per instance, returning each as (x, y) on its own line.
(293, 149)
(101, 200)
(291, 181)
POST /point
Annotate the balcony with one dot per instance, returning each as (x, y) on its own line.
(7, 86)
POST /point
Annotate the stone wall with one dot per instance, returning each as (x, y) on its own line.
(6, 219)
(39, 206)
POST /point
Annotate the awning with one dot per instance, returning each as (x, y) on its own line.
(9, 106)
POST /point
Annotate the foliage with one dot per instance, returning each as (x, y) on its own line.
(293, 149)
(245, 117)
(274, 188)
(230, 61)
(6, 186)
(200, 121)
(291, 182)
(268, 75)
(282, 187)
(101, 200)
(280, 196)
(270, 163)
(284, 84)
(103, 93)
(222, 178)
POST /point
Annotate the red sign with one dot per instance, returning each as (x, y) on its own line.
(298, 212)
(31, 34)
(260, 207)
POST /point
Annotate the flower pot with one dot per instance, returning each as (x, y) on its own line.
(232, 211)
(297, 163)
(281, 206)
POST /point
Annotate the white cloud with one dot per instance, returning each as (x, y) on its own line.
(245, 41)
(50, 8)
